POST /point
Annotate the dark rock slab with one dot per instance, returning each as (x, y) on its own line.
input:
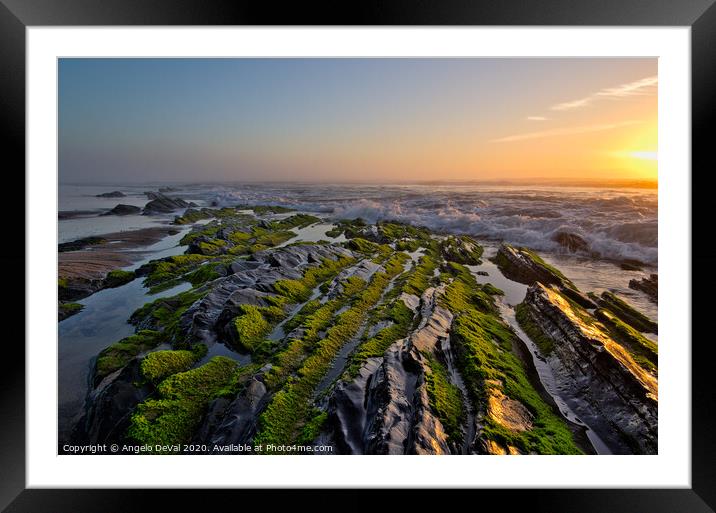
(79, 244)
(251, 282)
(163, 204)
(113, 194)
(235, 422)
(628, 313)
(596, 375)
(571, 242)
(106, 417)
(525, 266)
(123, 210)
(398, 415)
(649, 286)
(386, 409)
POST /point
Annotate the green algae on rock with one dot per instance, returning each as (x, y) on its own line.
(181, 400)
(484, 346)
(627, 313)
(117, 278)
(121, 353)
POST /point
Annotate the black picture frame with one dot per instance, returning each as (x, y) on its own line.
(700, 15)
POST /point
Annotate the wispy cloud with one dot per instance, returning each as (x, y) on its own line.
(564, 131)
(537, 118)
(636, 88)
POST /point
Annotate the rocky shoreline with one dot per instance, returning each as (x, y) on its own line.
(383, 344)
(88, 265)
(93, 263)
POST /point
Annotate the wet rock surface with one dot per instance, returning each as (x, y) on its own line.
(234, 422)
(649, 286)
(507, 412)
(524, 266)
(110, 404)
(597, 375)
(399, 419)
(123, 210)
(386, 409)
(520, 265)
(250, 284)
(571, 242)
(113, 194)
(162, 204)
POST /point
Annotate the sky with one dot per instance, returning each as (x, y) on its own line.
(357, 120)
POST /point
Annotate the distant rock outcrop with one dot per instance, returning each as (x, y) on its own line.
(162, 204)
(570, 241)
(113, 194)
(123, 210)
(649, 286)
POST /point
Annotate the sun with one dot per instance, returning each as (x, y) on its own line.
(641, 164)
(644, 155)
(638, 153)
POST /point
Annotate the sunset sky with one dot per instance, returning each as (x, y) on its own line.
(357, 120)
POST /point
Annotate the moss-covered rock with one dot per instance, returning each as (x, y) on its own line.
(627, 313)
(192, 215)
(295, 221)
(117, 278)
(483, 343)
(181, 400)
(210, 247)
(170, 268)
(445, 399)
(363, 246)
(394, 231)
(489, 288)
(265, 209)
(530, 327)
(121, 353)
(163, 315)
(160, 364)
(461, 249)
(288, 412)
(603, 364)
(250, 327)
(644, 351)
(420, 279)
(65, 310)
(525, 266)
(79, 244)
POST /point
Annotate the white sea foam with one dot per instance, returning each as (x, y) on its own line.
(616, 223)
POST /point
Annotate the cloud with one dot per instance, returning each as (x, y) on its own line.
(575, 104)
(639, 87)
(537, 118)
(564, 131)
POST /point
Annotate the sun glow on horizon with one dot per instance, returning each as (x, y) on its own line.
(644, 155)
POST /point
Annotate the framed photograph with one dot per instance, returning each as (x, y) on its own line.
(419, 251)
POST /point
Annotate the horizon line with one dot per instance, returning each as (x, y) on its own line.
(587, 182)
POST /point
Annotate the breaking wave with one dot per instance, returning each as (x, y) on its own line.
(615, 223)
